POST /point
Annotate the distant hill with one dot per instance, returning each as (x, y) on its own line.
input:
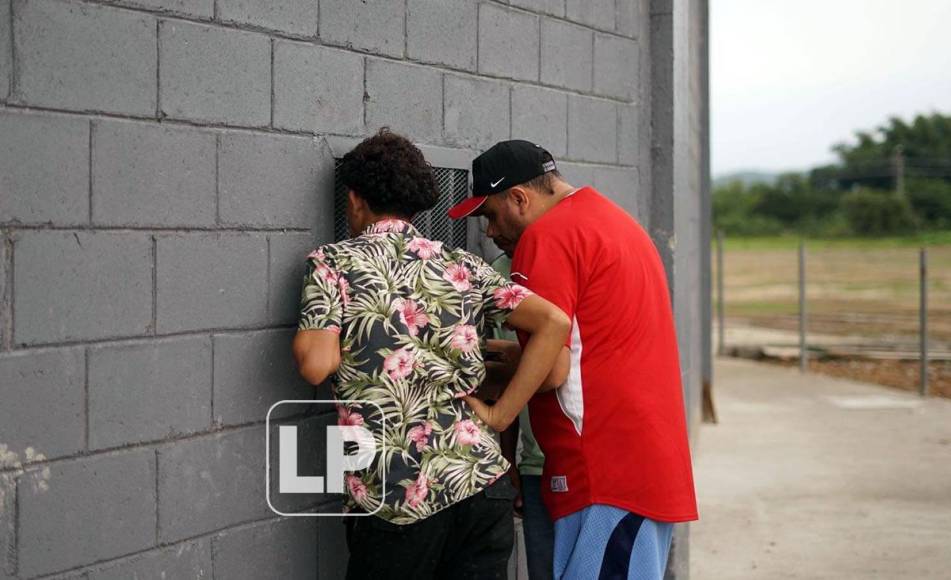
(746, 177)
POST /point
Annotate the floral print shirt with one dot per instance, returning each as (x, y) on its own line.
(410, 314)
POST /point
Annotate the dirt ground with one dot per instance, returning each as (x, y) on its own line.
(898, 374)
(854, 289)
(850, 290)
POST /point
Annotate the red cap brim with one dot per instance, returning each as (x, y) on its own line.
(466, 207)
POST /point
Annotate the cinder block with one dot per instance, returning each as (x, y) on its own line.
(214, 74)
(83, 511)
(288, 265)
(577, 174)
(592, 129)
(211, 281)
(291, 16)
(621, 185)
(375, 26)
(508, 43)
(284, 548)
(200, 8)
(594, 13)
(149, 391)
(477, 112)
(317, 89)
(43, 401)
(188, 560)
(554, 7)
(6, 59)
(270, 180)
(81, 285)
(541, 116)
(152, 175)
(631, 16)
(252, 372)
(616, 66)
(629, 143)
(210, 483)
(566, 55)
(82, 57)
(442, 32)
(44, 169)
(406, 98)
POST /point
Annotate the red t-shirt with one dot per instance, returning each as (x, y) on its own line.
(615, 433)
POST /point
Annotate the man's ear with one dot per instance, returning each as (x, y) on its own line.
(356, 212)
(354, 199)
(358, 205)
(521, 198)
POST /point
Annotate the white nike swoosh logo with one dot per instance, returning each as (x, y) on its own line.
(496, 183)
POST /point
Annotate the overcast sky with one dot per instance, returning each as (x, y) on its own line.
(789, 79)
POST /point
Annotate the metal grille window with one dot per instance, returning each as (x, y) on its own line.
(434, 224)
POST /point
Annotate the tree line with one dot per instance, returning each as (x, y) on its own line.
(894, 180)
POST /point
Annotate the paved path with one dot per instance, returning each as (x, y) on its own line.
(815, 477)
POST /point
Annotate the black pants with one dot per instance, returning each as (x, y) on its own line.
(469, 540)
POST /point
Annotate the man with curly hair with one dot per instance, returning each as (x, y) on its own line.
(395, 319)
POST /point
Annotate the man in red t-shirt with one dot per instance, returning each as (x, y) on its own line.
(617, 471)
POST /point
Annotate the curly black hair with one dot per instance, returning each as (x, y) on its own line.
(391, 174)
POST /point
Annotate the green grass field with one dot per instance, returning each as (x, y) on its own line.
(930, 239)
(854, 286)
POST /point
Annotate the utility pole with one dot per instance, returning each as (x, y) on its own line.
(803, 349)
(923, 319)
(721, 331)
(898, 166)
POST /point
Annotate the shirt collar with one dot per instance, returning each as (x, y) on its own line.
(390, 225)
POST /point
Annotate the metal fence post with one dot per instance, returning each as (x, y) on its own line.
(803, 353)
(721, 349)
(923, 318)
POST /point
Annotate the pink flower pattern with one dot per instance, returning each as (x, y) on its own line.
(411, 315)
(465, 338)
(326, 273)
(358, 489)
(419, 435)
(509, 297)
(399, 364)
(458, 276)
(388, 226)
(347, 416)
(467, 432)
(344, 290)
(424, 248)
(417, 491)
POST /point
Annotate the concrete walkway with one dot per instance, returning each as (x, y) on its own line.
(814, 477)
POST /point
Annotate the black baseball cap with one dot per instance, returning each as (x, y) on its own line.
(504, 165)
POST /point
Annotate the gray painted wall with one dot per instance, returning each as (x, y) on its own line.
(164, 167)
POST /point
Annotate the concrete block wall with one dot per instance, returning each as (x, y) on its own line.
(164, 169)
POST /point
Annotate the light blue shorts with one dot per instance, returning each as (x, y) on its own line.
(602, 542)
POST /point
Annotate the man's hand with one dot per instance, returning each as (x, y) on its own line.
(501, 360)
(548, 329)
(488, 413)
